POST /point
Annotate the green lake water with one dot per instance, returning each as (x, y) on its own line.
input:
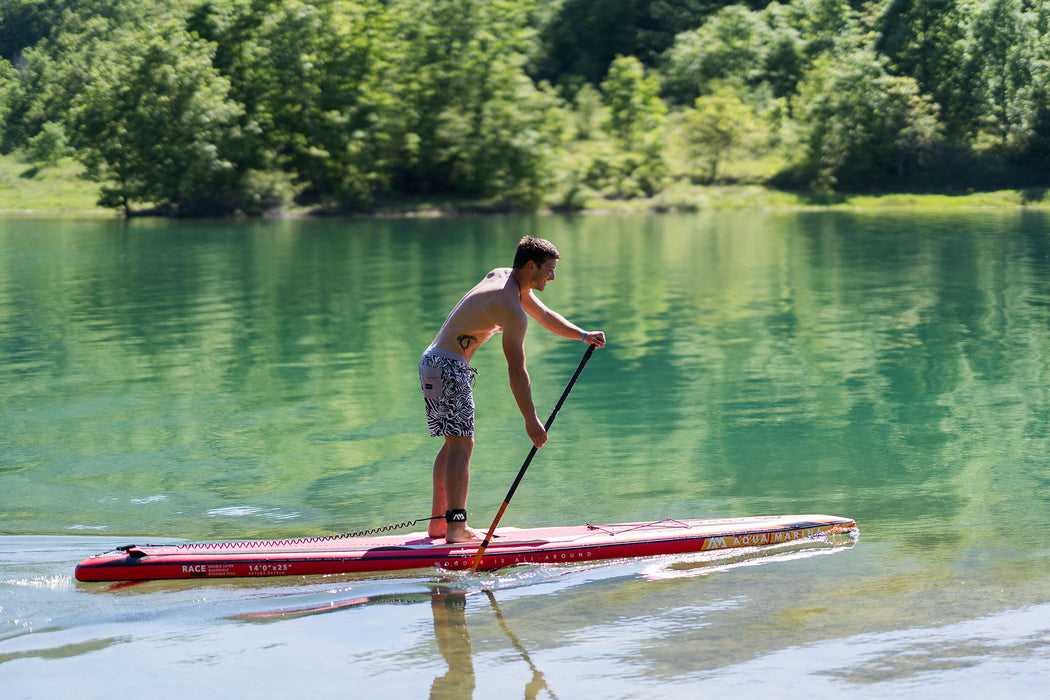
(208, 380)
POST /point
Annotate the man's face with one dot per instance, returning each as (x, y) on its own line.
(545, 273)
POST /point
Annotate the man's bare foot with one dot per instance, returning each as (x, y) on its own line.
(436, 531)
(459, 532)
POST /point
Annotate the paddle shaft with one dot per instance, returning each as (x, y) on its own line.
(528, 460)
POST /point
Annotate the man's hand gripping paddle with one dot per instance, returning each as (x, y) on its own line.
(528, 460)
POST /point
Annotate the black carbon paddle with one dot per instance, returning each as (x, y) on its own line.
(528, 460)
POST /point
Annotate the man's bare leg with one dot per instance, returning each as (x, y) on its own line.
(451, 494)
(440, 504)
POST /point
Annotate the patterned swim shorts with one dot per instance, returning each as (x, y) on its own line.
(446, 381)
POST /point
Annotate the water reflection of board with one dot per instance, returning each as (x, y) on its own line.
(512, 546)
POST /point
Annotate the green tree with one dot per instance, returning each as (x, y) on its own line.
(1037, 139)
(922, 38)
(824, 24)
(48, 146)
(926, 40)
(472, 121)
(52, 74)
(729, 46)
(61, 45)
(716, 125)
(737, 45)
(860, 124)
(308, 84)
(636, 112)
(784, 60)
(155, 123)
(579, 39)
(635, 119)
(8, 80)
(588, 105)
(584, 37)
(1002, 51)
(23, 23)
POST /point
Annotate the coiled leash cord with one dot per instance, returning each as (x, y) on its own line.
(257, 544)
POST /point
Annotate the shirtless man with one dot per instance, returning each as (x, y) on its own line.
(499, 303)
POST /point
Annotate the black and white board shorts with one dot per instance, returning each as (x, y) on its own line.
(446, 380)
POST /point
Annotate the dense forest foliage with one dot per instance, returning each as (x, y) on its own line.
(202, 107)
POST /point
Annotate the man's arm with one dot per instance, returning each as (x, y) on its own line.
(520, 386)
(558, 324)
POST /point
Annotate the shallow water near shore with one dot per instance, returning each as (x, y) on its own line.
(256, 380)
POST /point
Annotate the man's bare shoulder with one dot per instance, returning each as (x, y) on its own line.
(496, 278)
(497, 289)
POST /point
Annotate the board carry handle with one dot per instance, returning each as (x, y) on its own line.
(528, 460)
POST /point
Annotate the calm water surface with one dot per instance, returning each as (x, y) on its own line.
(257, 380)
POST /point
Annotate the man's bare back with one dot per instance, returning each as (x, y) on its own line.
(482, 312)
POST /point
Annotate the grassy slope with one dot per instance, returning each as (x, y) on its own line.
(26, 188)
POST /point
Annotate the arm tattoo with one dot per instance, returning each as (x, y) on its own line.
(466, 340)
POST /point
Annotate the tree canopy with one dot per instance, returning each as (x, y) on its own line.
(206, 107)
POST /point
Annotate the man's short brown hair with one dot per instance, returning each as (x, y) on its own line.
(537, 250)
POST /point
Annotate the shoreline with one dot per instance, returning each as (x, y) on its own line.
(61, 192)
(727, 198)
